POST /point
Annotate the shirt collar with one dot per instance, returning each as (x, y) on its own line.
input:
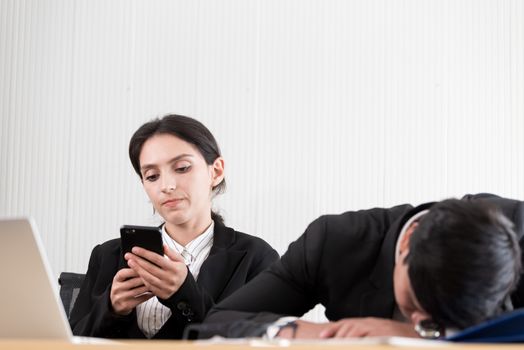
(194, 246)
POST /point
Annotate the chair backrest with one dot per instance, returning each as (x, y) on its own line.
(70, 284)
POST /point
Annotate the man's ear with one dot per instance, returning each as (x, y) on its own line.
(404, 244)
(217, 172)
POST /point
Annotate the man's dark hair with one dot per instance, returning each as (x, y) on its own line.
(463, 262)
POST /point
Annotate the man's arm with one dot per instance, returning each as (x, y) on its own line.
(329, 264)
(270, 293)
(287, 288)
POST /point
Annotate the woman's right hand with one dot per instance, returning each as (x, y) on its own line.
(164, 275)
(128, 290)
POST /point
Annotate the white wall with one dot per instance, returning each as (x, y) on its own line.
(319, 106)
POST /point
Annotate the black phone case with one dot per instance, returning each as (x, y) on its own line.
(147, 237)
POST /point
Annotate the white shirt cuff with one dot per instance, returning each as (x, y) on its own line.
(274, 328)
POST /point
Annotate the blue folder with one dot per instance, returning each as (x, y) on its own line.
(507, 328)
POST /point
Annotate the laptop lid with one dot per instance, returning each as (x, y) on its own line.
(30, 306)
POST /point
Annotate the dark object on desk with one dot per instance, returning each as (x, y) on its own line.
(507, 328)
(236, 329)
(69, 288)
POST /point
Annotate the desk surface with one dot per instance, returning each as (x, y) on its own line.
(19, 344)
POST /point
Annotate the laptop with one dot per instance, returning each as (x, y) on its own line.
(30, 306)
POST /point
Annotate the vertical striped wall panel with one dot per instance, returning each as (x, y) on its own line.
(35, 107)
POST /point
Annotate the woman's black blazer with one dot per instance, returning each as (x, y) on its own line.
(234, 259)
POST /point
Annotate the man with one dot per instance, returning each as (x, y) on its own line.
(400, 271)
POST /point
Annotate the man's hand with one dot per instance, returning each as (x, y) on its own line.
(349, 328)
(162, 277)
(367, 327)
(127, 291)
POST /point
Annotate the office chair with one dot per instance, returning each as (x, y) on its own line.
(69, 287)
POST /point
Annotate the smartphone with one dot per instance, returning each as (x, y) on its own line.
(147, 237)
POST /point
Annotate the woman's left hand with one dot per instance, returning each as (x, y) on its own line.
(162, 276)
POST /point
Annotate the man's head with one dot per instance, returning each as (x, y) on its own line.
(459, 266)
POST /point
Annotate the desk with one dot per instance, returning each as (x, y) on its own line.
(14, 344)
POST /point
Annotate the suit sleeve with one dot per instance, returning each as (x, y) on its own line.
(286, 288)
(92, 314)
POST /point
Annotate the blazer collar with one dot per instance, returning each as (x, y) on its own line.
(223, 238)
(222, 262)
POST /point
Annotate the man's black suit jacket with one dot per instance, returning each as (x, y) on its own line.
(234, 259)
(344, 262)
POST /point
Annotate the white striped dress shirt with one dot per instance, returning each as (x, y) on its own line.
(152, 314)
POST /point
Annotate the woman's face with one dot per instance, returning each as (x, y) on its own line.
(178, 181)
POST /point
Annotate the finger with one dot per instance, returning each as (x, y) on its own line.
(343, 330)
(148, 272)
(167, 282)
(123, 301)
(131, 302)
(123, 290)
(173, 255)
(124, 274)
(143, 297)
(149, 255)
(132, 283)
(164, 271)
(329, 331)
(145, 264)
(137, 292)
(129, 296)
(358, 331)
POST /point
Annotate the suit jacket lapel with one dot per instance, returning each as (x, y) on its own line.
(217, 270)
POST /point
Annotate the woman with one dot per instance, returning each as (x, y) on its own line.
(181, 169)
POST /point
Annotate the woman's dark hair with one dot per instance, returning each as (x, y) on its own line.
(185, 128)
(463, 262)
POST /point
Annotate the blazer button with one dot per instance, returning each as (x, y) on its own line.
(186, 312)
(182, 305)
